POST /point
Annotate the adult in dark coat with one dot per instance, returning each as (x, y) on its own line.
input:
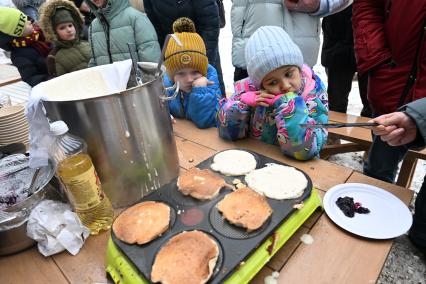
(388, 35)
(204, 14)
(338, 58)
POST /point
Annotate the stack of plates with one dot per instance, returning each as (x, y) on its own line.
(13, 125)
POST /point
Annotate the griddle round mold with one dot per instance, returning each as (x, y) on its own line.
(225, 228)
(219, 261)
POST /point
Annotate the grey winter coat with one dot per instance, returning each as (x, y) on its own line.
(417, 111)
(117, 24)
(304, 29)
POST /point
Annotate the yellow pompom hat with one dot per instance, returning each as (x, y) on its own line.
(192, 53)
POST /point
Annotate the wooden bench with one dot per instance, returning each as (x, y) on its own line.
(360, 140)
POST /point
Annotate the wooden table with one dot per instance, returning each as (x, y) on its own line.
(8, 74)
(335, 256)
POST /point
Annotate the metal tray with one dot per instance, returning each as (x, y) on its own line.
(235, 244)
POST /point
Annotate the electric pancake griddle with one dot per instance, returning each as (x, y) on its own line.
(241, 254)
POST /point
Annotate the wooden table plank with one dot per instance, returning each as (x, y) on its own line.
(191, 154)
(334, 116)
(280, 258)
(30, 266)
(322, 173)
(260, 277)
(88, 266)
(8, 74)
(346, 253)
(335, 257)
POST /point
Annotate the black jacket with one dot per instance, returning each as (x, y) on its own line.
(31, 65)
(204, 14)
(338, 45)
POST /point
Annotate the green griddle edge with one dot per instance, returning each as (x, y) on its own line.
(122, 271)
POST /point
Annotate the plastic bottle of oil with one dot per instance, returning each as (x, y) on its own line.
(78, 176)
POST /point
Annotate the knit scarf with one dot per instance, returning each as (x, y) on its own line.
(36, 40)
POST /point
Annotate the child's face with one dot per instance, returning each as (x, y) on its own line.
(66, 31)
(28, 29)
(99, 3)
(283, 80)
(186, 78)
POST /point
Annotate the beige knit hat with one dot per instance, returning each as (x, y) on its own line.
(192, 53)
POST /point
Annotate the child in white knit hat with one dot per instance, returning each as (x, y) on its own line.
(280, 94)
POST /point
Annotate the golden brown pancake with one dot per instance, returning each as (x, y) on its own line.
(245, 208)
(142, 222)
(187, 258)
(200, 184)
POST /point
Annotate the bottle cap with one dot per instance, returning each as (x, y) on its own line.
(58, 127)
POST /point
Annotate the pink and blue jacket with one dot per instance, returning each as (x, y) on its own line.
(238, 118)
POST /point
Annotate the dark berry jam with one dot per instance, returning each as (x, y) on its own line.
(349, 207)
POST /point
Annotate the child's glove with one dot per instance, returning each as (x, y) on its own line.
(251, 98)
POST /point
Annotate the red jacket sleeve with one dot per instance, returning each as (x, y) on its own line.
(370, 42)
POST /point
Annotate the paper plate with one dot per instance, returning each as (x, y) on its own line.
(10, 111)
(389, 217)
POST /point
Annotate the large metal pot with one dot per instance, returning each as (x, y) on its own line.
(129, 136)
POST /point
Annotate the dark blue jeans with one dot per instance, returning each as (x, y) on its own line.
(418, 229)
(382, 162)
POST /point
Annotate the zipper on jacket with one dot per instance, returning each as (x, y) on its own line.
(105, 26)
(182, 107)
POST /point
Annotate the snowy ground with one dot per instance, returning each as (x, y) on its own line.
(404, 263)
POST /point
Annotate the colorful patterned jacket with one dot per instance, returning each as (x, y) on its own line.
(279, 123)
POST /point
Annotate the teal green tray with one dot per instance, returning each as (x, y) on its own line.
(123, 271)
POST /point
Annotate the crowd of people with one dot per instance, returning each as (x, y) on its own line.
(274, 47)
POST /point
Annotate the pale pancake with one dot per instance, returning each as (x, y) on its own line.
(245, 208)
(187, 258)
(200, 184)
(277, 181)
(142, 222)
(233, 162)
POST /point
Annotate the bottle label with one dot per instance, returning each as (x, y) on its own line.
(84, 190)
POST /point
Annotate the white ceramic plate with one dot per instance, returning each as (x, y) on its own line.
(388, 217)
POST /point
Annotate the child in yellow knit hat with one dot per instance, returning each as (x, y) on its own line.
(26, 43)
(186, 62)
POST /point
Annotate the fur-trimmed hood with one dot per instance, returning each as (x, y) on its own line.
(48, 9)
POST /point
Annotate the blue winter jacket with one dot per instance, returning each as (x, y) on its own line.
(201, 105)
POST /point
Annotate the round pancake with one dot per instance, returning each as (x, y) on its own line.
(142, 222)
(200, 184)
(187, 258)
(277, 181)
(233, 162)
(245, 208)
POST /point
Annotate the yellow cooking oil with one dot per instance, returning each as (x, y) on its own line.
(84, 191)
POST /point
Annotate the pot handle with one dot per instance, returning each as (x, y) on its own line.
(174, 87)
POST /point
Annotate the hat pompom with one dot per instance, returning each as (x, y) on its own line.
(183, 25)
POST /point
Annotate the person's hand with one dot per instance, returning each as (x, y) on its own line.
(395, 128)
(263, 99)
(84, 7)
(172, 118)
(302, 6)
(202, 82)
